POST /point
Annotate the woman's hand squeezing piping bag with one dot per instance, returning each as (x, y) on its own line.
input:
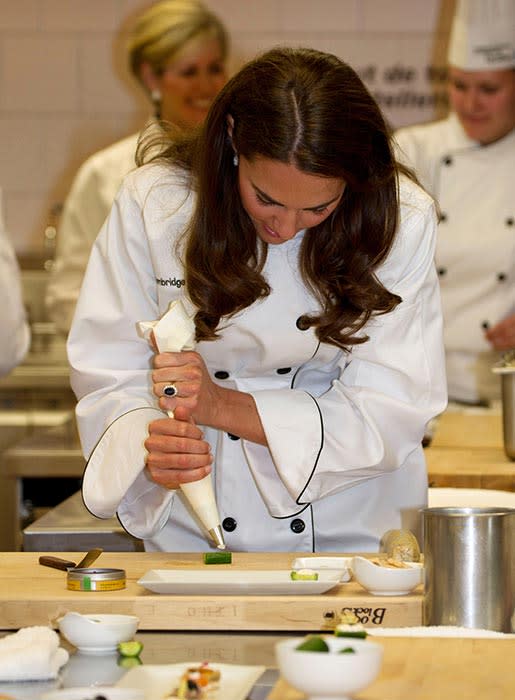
(177, 452)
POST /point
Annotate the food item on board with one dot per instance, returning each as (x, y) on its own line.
(197, 683)
(218, 557)
(347, 650)
(357, 631)
(400, 545)
(349, 626)
(304, 575)
(390, 563)
(132, 648)
(313, 642)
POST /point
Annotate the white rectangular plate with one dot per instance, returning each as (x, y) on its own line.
(158, 682)
(343, 565)
(234, 582)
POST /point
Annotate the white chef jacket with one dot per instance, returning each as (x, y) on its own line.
(14, 329)
(475, 253)
(88, 203)
(344, 460)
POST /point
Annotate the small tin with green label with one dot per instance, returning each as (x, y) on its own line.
(95, 579)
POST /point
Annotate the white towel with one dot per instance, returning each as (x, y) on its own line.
(436, 631)
(31, 654)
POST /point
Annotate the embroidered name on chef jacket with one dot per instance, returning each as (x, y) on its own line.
(170, 282)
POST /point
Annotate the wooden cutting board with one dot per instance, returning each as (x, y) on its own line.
(436, 669)
(468, 430)
(31, 594)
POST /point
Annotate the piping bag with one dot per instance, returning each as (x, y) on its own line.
(173, 332)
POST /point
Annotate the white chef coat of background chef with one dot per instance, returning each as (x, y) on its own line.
(14, 329)
(345, 461)
(85, 210)
(475, 189)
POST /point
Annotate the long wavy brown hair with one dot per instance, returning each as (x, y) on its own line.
(310, 109)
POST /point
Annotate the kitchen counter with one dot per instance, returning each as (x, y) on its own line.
(414, 668)
(436, 669)
(22, 602)
(467, 452)
(46, 452)
(72, 527)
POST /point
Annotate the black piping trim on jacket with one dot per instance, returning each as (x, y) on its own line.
(307, 505)
(301, 366)
(292, 515)
(313, 539)
(128, 531)
(319, 451)
(143, 408)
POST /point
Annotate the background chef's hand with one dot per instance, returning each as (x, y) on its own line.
(177, 452)
(195, 389)
(502, 335)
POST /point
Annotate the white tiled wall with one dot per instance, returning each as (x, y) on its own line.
(65, 90)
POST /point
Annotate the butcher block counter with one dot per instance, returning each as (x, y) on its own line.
(32, 594)
(467, 451)
(435, 669)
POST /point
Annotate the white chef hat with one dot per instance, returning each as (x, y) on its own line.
(483, 35)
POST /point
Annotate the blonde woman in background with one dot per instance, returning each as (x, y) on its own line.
(14, 329)
(467, 163)
(177, 50)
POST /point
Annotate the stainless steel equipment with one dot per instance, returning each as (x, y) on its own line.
(508, 412)
(469, 567)
(506, 370)
(70, 527)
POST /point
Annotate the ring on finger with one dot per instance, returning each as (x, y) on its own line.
(170, 390)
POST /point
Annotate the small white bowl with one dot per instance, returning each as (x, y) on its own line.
(384, 580)
(97, 634)
(327, 675)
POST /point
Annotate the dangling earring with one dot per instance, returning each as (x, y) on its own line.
(235, 160)
(155, 96)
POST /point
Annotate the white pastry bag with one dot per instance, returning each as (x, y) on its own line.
(173, 332)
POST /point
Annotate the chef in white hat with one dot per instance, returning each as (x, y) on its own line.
(467, 162)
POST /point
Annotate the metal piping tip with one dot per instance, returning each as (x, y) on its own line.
(216, 535)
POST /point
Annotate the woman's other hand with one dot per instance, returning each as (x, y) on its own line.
(186, 376)
(187, 373)
(502, 335)
(177, 452)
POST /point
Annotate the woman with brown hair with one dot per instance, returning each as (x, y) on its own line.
(304, 254)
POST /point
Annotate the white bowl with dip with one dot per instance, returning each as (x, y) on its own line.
(97, 634)
(329, 675)
(386, 580)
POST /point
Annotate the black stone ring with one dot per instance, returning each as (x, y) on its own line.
(170, 390)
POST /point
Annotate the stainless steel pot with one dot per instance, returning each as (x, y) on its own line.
(506, 371)
(469, 567)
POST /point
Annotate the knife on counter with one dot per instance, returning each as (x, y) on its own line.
(65, 565)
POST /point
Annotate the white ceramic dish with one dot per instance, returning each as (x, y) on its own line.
(92, 691)
(326, 675)
(383, 580)
(158, 682)
(234, 582)
(342, 565)
(97, 634)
